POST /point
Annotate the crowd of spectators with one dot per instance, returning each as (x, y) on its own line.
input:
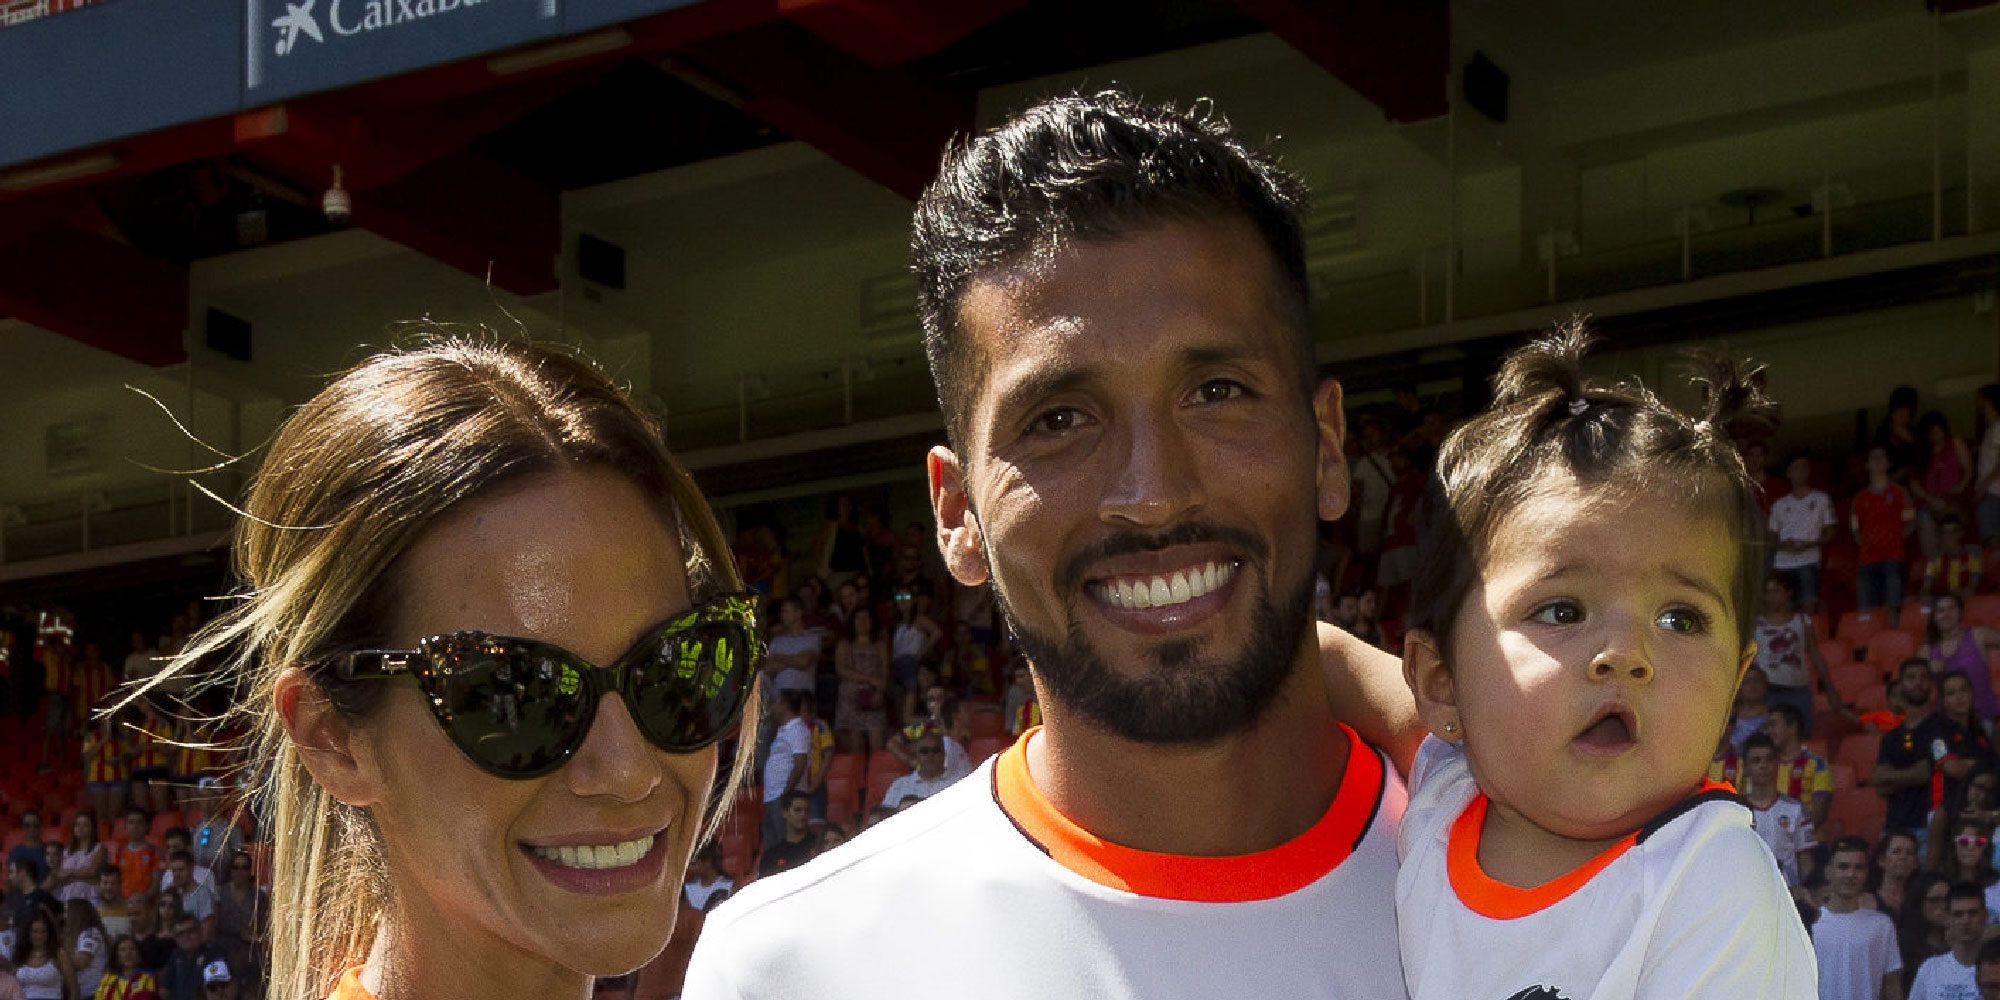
(129, 872)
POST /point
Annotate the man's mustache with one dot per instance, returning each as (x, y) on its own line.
(1072, 572)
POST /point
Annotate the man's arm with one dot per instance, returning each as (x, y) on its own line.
(1888, 780)
(1366, 689)
(1892, 987)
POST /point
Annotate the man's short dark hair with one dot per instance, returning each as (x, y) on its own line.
(1845, 844)
(139, 811)
(173, 856)
(1914, 661)
(799, 701)
(177, 831)
(1792, 715)
(1760, 741)
(785, 801)
(36, 813)
(1092, 169)
(1989, 953)
(1966, 890)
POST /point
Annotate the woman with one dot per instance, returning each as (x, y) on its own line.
(1940, 490)
(1368, 618)
(242, 911)
(1788, 653)
(1896, 863)
(1957, 646)
(1974, 800)
(489, 641)
(1960, 742)
(77, 878)
(83, 938)
(861, 716)
(1968, 857)
(127, 978)
(911, 641)
(1753, 707)
(39, 961)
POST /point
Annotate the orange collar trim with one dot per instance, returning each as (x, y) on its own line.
(1496, 900)
(1286, 868)
(350, 988)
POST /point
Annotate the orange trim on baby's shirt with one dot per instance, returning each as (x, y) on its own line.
(1266, 874)
(350, 988)
(1496, 900)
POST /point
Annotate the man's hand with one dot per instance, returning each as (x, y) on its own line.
(1365, 687)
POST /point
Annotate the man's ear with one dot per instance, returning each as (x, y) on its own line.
(325, 740)
(958, 535)
(1430, 680)
(1330, 423)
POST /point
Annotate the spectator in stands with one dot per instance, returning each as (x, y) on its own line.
(1797, 771)
(197, 897)
(181, 976)
(52, 859)
(1398, 562)
(217, 836)
(1957, 567)
(1950, 976)
(840, 550)
(176, 839)
(1368, 618)
(1956, 646)
(1801, 522)
(1968, 855)
(29, 848)
(139, 663)
(25, 896)
(1920, 926)
(792, 660)
(127, 978)
(1757, 459)
(929, 778)
(90, 682)
(83, 937)
(1897, 435)
(112, 910)
(862, 662)
(1941, 490)
(106, 772)
(151, 738)
(1902, 773)
(1882, 518)
(1788, 653)
(139, 862)
(912, 639)
(1374, 476)
(707, 884)
(1857, 948)
(1987, 975)
(795, 843)
(1024, 711)
(788, 767)
(1752, 709)
(1895, 866)
(1986, 480)
(1780, 819)
(972, 663)
(152, 929)
(242, 916)
(40, 963)
(1959, 738)
(84, 856)
(831, 837)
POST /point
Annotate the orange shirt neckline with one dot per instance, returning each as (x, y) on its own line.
(1264, 875)
(350, 988)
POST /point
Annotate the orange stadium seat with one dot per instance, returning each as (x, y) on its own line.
(988, 720)
(1857, 627)
(849, 765)
(843, 792)
(1872, 698)
(1858, 750)
(1819, 746)
(1843, 776)
(1892, 646)
(1834, 653)
(1984, 609)
(983, 747)
(1851, 678)
(1860, 812)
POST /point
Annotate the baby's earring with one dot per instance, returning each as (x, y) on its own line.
(1450, 728)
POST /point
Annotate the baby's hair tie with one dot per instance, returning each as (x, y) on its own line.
(1577, 406)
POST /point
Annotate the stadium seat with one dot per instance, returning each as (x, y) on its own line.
(1843, 776)
(1857, 627)
(1984, 609)
(1860, 811)
(1858, 750)
(1834, 653)
(988, 721)
(164, 821)
(1851, 678)
(1913, 615)
(849, 765)
(1892, 646)
(1874, 697)
(1819, 746)
(843, 793)
(983, 747)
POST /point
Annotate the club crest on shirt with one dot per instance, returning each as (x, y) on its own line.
(1540, 993)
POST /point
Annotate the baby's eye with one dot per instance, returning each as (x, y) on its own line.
(1558, 613)
(1682, 620)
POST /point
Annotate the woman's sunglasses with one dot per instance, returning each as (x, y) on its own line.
(519, 708)
(1969, 840)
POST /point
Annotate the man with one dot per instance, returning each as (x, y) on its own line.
(177, 839)
(197, 896)
(1989, 970)
(1801, 522)
(1115, 309)
(795, 842)
(1800, 773)
(111, 903)
(1956, 568)
(181, 976)
(788, 766)
(1858, 956)
(1780, 819)
(1952, 975)
(929, 778)
(139, 862)
(217, 983)
(23, 896)
(1902, 772)
(29, 848)
(216, 837)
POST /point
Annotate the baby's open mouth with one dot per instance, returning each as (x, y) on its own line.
(1613, 730)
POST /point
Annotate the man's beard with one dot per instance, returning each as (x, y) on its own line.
(1176, 700)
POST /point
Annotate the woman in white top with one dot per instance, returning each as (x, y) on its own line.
(1788, 653)
(77, 877)
(707, 884)
(39, 962)
(83, 938)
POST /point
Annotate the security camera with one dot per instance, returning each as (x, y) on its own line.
(337, 203)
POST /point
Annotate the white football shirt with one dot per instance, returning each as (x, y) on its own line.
(985, 890)
(1690, 906)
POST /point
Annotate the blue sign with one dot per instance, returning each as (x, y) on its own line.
(582, 15)
(295, 47)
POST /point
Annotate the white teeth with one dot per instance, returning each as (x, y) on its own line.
(1160, 591)
(597, 856)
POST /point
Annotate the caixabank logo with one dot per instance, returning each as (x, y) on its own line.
(299, 22)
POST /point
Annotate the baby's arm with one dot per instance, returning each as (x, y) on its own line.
(1729, 928)
(1366, 688)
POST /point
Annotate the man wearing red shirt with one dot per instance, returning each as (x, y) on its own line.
(1882, 517)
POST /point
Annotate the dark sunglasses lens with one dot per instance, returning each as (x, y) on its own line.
(514, 707)
(689, 691)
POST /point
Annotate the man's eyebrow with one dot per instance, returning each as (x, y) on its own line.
(1039, 384)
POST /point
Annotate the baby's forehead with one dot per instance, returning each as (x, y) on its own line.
(1566, 524)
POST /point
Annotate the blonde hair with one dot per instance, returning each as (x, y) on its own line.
(351, 480)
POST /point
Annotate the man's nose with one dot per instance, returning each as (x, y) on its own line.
(1157, 482)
